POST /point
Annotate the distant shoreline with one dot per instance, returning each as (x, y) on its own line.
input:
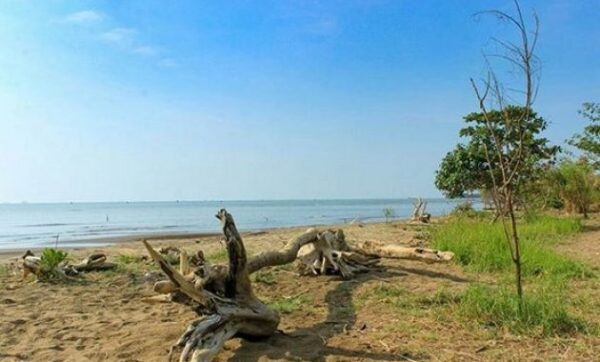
(35, 227)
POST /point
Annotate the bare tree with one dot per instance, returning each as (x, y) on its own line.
(506, 159)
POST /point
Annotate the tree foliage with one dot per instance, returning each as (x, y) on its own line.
(467, 168)
(589, 140)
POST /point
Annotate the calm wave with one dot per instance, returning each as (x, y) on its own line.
(35, 225)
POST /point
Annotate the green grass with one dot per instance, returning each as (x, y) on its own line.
(218, 256)
(482, 247)
(4, 272)
(287, 305)
(128, 259)
(131, 264)
(544, 311)
(266, 277)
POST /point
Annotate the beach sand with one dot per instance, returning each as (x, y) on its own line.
(103, 318)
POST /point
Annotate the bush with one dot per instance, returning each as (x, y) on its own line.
(49, 262)
(466, 209)
(575, 183)
(482, 247)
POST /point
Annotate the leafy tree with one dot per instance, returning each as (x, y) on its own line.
(471, 165)
(589, 140)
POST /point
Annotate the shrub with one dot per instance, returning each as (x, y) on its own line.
(49, 262)
(575, 183)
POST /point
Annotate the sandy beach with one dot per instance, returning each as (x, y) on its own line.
(103, 318)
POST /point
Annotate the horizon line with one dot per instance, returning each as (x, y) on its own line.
(25, 202)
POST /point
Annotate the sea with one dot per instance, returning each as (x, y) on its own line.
(29, 225)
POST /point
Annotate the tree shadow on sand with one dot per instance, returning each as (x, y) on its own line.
(310, 344)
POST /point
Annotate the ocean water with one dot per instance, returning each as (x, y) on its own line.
(73, 224)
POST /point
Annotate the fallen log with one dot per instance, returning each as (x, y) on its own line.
(34, 265)
(403, 252)
(95, 261)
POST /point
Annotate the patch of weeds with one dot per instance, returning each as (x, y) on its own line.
(128, 259)
(441, 297)
(129, 264)
(482, 247)
(4, 272)
(264, 276)
(397, 297)
(544, 310)
(287, 305)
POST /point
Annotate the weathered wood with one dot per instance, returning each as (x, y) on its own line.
(236, 312)
(380, 249)
(285, 255)
(419, 213)
(94, 262)
(223, 297)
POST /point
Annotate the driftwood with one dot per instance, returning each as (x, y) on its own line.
(33, 265)
(95, 261)
(402, 252)
(419, 213)
(222, 295)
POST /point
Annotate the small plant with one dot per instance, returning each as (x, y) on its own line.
(389, 214)
(50, 260)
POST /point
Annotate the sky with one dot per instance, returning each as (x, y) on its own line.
(235, 100)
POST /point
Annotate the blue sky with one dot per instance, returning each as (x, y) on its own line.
(190, 100)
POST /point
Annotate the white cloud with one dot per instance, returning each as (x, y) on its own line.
(123, 36)
(145, 50)
(84, 17)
